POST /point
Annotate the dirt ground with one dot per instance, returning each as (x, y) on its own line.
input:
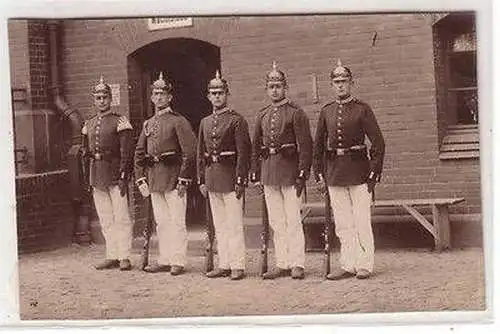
(62, 284)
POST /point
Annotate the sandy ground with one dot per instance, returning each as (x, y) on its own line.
(62, 284)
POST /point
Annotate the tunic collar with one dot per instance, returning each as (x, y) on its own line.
(220, 111)
(164, 111)
(346, 100)
(280, 103)
(105, 113)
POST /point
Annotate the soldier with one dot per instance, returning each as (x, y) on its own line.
(281, 160)
(341, 164)
(164, 163)
(223, 163)
(107, 148)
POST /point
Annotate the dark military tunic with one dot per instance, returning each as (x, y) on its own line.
(108, 140)
(283, 126)
(223, 131)
(343, 125)
(166, 131)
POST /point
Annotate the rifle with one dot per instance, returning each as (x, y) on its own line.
(85, 164)
(148, 230)
(264, 237)
(209, 251)
(327, 232)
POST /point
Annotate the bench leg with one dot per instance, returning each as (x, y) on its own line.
(441, 221)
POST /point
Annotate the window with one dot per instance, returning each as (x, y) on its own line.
(456, 85)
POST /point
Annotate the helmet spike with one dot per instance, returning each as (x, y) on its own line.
(340, 72)
(102, 86)
(218, 82)
(275, 74)
(161, 83)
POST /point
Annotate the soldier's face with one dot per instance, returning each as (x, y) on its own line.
(218, 97)
(276, 91)
(342, 87)
(160, 98)
(102, 101)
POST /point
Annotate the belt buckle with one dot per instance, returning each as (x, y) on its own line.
(98, 156)
(340, 151)
(215, 158)
(156, 159)
(272, 150)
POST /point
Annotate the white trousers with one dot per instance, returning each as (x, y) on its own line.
(351, 211)
(115, 221)
(283, 207)
(227, 213)
(170, 215)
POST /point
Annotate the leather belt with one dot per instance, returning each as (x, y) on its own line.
(346, 150)
(216, 157)
(271, 150)
(163, 157)
(99, 156)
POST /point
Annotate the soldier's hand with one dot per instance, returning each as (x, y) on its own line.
(123, 185)
(87, 187)
(181, 189)
(203, 190)
(260, 188)
(300, 184)
(371, 185)
(143, 187)
(240, 190)
(322, 186)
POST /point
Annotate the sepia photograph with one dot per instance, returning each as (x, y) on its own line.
(247, 165)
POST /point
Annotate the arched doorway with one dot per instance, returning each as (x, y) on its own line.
(189, 64)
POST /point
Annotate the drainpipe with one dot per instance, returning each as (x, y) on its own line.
(79, 197)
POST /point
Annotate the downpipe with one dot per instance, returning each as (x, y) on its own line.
(79, 197)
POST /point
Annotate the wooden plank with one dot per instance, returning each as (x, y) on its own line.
(459, 155)
(421, 201)
(441, 219)
(421, 219)
(316, 206)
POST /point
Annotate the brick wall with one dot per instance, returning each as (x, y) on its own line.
(39, 63)
(44, 212)
(18, 53)
(394, 73)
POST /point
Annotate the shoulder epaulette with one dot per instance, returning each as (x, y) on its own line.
(328, 104)
(264, 109)
(293, 104)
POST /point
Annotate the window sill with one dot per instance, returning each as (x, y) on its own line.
(460, 142)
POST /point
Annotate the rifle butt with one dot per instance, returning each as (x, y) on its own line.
(264, 238)
(209, 251)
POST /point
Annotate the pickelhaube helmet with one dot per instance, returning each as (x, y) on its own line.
(102, 87)
(218, 82)
(162, 84)
(340, 72)
(275, 75)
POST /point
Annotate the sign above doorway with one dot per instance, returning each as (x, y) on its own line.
(158, 23)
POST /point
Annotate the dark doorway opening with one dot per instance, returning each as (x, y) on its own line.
(189, 64)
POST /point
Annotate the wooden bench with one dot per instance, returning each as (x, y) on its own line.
(439, 228)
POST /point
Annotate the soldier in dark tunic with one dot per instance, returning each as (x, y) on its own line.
(341, 160)
(223, 162)
(281, 161)
(108, 148)
(164, 165)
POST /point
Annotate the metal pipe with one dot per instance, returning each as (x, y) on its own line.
(79, 198)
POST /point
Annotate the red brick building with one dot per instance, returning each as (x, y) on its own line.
(417, 71)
